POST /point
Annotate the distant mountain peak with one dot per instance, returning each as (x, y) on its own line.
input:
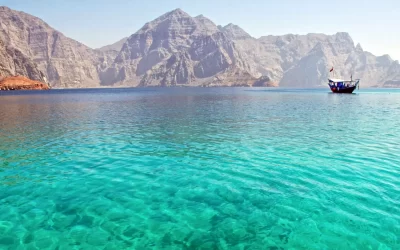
(168, 16)
(233, 31)
(343, 36)
(359, 48)
(385, 59)
(176, 12)
(207, 23)
(342, 33)
(181, 22)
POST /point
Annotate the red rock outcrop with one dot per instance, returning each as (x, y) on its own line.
(21, 83)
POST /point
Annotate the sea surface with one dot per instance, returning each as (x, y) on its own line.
(200, 168)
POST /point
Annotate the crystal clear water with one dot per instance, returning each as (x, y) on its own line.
(200, 169)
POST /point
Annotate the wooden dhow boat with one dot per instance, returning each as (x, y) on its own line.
(343, 86)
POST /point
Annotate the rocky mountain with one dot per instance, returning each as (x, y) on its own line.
(13, 62)
(107, 54)
(234, 32)
(63, 61)
(305, 60)
(179, 50)
(262, 60)
(338, 51)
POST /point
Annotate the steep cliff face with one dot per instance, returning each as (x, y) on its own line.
(175, 49)
(13, 62)
(65, 62)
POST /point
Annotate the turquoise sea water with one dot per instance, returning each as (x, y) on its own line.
(200, 169)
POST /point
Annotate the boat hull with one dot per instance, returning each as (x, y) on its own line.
(348, 90)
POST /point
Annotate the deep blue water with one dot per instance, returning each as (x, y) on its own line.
(200, 168)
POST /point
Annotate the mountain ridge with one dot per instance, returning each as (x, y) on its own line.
(176, 49)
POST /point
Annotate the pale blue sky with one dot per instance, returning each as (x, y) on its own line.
(375, 24)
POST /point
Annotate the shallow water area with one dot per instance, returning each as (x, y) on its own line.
(200, 168)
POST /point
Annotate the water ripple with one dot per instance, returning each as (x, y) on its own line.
(199, 169)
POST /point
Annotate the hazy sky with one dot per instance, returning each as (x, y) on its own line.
(374, 24)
